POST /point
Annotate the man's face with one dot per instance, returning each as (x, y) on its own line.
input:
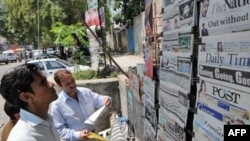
(68, 84)
(44, 92)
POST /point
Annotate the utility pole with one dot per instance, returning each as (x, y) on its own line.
(38, 24)
(100, 21)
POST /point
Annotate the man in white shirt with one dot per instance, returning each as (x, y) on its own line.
(73, 107)
(27, 87)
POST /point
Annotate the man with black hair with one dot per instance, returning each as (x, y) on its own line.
(13, 112)
(27, 87)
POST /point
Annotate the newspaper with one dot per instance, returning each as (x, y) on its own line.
(218, 105)
(149, 132)
(178, 14)
(225, 58)
(175, 72)
(224, 16)
(169, 128)
(178, 42)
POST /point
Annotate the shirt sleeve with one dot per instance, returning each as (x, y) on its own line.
(60, 125)
(98, 99)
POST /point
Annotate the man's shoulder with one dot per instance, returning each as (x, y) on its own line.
(83, 89)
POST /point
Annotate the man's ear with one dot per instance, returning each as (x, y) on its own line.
(25, 96)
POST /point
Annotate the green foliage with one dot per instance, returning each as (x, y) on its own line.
(85, 75)
(129, 10)
(106, 72)
(63, 33)
(78, 58)
(19, 19)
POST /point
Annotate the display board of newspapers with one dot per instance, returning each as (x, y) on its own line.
(175, 68)
(223, 91)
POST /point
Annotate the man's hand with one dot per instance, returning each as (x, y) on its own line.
(107, 101)
(83, 135)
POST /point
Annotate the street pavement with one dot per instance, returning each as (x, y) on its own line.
(126, 61)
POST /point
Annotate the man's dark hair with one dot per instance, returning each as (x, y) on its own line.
(16, 81)
(11, 110)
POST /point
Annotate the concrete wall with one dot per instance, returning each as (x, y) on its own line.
(139, 32)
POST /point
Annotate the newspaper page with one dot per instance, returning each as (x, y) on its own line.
(149, 132)
(177, 104)
(178, 14)
(169, 128)
(226, 58)
(175, 73)
(224, 16)
(161, 135)
(218, 105)
(150, 111)
(180, 43)
(149, 88)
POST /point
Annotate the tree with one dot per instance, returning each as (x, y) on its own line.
(64, 33)
(22, 18)
(128, 10)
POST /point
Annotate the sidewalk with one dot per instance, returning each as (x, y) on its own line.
(125, 61)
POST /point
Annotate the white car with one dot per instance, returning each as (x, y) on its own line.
(51, 65)
(11, 56)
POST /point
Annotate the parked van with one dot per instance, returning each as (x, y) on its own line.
(11, 56)
(3, 58)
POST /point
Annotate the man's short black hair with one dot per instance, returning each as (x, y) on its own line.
(11, 110)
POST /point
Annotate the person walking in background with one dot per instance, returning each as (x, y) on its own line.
(13, 112)
(74, 106)
(27, 87)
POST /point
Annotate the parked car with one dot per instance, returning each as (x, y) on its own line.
(51, 65)
(3, 58)
(50, 51)
(44, 56)
(11, 56)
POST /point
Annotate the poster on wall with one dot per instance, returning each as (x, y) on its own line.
(92, 18)
(148, 18)
(224, 16)
(148, 58)
(92, 4)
